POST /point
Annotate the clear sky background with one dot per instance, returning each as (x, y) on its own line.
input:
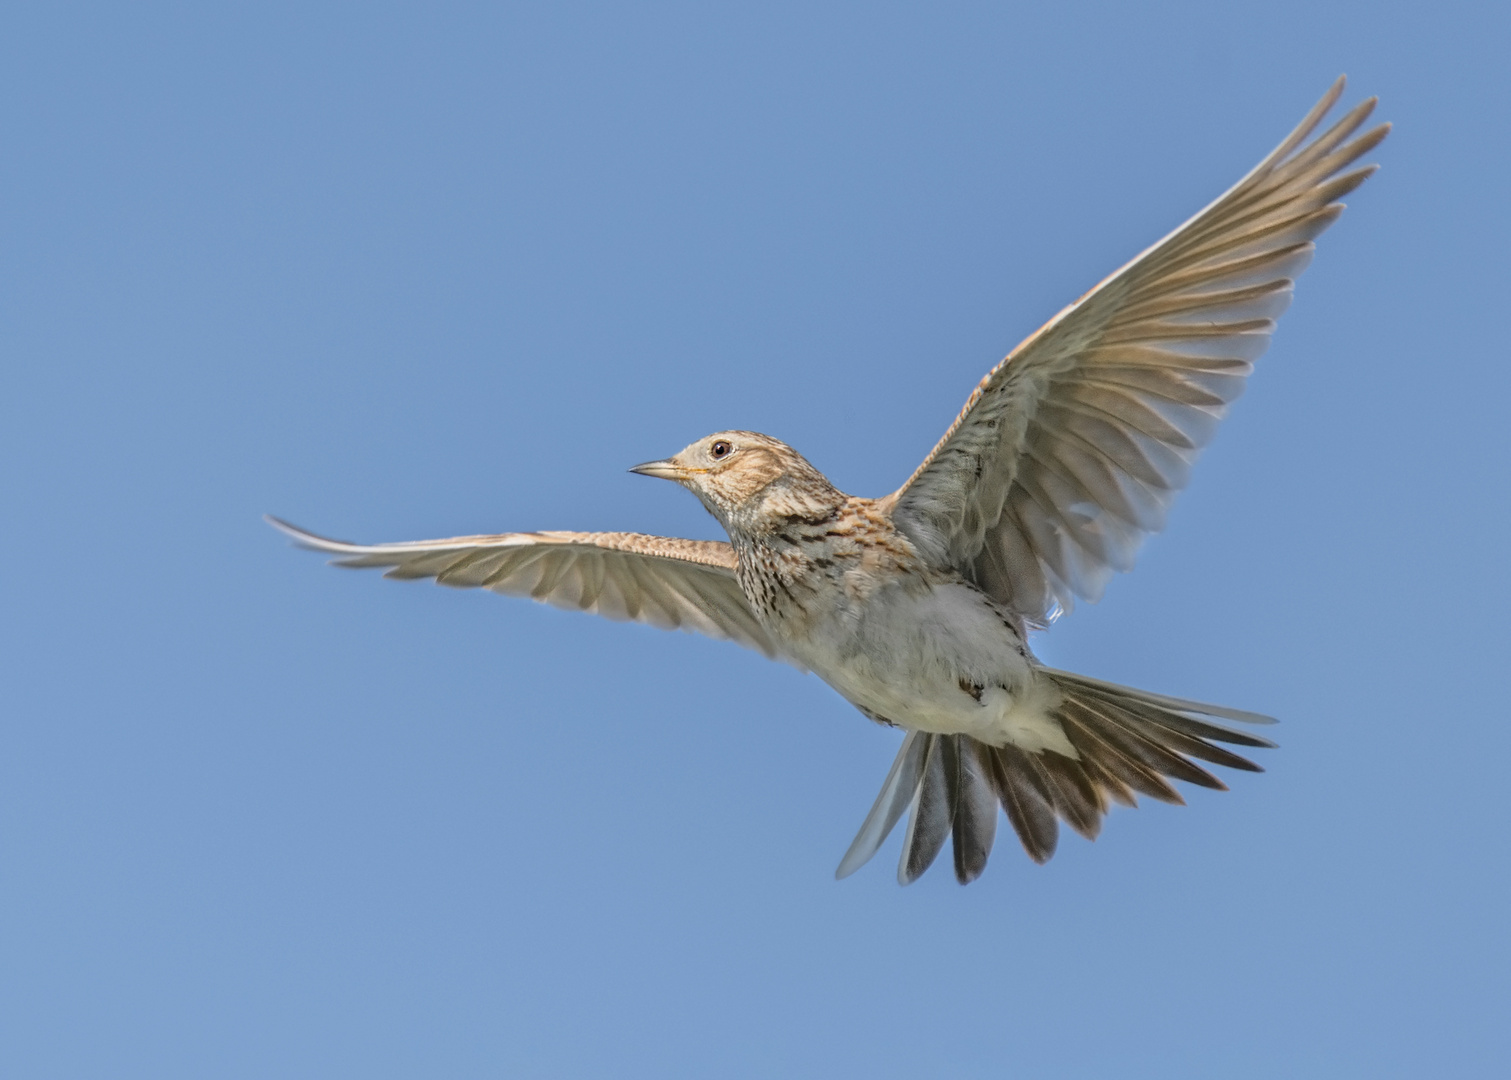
(397, 272)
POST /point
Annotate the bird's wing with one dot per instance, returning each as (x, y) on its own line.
(1071, 450)
(660, 580)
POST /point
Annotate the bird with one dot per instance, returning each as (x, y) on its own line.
(917, 606)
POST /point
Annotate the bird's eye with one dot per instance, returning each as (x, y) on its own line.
(719, 450)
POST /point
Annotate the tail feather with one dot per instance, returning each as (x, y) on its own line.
(1127, 742)
(1111, 786)
(1127, 731)
(975, 804)
(932, 816)
(1025, 794)
(1079, 798)
(1068, 679)
(1181, 722)
(896, 794)
(1093, 744)
(1193, 747)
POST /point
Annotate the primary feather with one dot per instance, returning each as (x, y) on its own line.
(659, 580)
(1071, 450)
(915, 606)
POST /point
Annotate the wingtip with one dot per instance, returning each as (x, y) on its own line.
(1334, 92)
(283, 526)
(305, 539)
(1251, 717)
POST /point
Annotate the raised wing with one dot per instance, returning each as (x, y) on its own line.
(1071, 450)
(660, 580)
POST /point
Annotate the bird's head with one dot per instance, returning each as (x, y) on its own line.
(751, 482)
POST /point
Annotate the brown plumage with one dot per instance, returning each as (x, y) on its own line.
(916, 606)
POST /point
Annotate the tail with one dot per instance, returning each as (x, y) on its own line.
(1127, 743)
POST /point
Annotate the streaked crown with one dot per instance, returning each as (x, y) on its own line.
(751, 482)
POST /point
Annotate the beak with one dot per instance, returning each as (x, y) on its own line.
(666, 470)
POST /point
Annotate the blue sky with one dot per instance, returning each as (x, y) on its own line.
(400, 272)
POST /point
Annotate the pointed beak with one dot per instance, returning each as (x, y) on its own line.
(666, 470)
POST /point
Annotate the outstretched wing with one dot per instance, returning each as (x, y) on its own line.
(1071, 450)
(660, 580)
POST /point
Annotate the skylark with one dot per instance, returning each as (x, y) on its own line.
(916, 606)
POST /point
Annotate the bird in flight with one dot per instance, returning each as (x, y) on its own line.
(916, 606)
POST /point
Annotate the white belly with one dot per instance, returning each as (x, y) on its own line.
(904, 656)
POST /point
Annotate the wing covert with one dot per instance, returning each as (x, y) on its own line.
(1071, 450)
(662, 581)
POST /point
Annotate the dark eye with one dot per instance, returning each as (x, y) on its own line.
(719, 450)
